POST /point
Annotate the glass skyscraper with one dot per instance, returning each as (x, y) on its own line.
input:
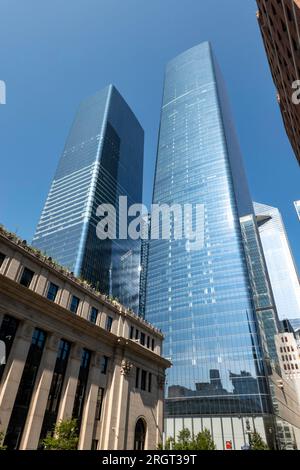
(280, 262)
(102, 160)
(202, 299)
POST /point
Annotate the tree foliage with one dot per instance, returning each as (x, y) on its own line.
(256, 442)
(2, 446)
(64, 436)
(185, 441)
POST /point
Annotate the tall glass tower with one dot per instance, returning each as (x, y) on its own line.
(202, 299)
(102, 160)
(280, 261)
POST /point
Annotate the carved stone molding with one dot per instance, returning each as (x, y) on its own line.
(76, 352)
(126, 367)
(161, 380)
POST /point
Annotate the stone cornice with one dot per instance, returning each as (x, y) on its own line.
(61, 273)
(60, 314)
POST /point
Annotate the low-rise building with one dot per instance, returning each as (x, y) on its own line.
(73, 353)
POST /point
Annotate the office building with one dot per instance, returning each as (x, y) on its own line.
(71, 353)
(280, 262)
(102, 160)
(279, 22)
(202, 299)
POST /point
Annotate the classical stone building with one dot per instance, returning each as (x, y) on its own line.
(72, 352)
(279, 22)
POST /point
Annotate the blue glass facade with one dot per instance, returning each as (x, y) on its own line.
(102, 160)
(261, 289)
(202, 299)
(280, 261)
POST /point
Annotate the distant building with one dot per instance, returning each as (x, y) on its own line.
(280, 261)
(70, 352)
(279, 22)
(102, 160)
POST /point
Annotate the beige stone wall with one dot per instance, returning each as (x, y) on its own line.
(123, 403)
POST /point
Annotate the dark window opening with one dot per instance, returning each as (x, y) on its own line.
(140, 435)
(22, 402)
(26, 277)
(108, 323)
(143, 380)
(74, 304)
(52, 291)
(104, 364)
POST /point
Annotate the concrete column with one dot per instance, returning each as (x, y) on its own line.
(34, 422)
(88, 416)
(70, 384)
(13, 372)
(115, 412)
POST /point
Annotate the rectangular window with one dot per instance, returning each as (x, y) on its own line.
(2, 258)
(137, 378)
(148, 341)
(54, 396)
(100, 398)
(149, 382)
(108, 323)
(143, 339)
(74, 304)
(52, 291)
(81, 385)
(22, 402)
(131, 332)
(104, 364)
(152, 344)
(93, 315)
(143, 380)
(137, 334)
(26, 277)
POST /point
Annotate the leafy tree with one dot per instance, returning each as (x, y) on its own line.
(256, 442)
(2, 447)
(204, 441)
(185, 441)
(64, 436)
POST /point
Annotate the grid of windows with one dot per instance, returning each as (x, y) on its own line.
(108, 323)
(201, 298)
(105, 142)
(104, 364)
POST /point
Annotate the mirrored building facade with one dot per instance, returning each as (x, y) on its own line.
(280, 261)
(202, 299)
(102, 160)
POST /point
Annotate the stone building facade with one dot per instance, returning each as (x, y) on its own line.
(72, 352)
(279, 22)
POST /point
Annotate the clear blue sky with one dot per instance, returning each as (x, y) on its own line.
(55, 53)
